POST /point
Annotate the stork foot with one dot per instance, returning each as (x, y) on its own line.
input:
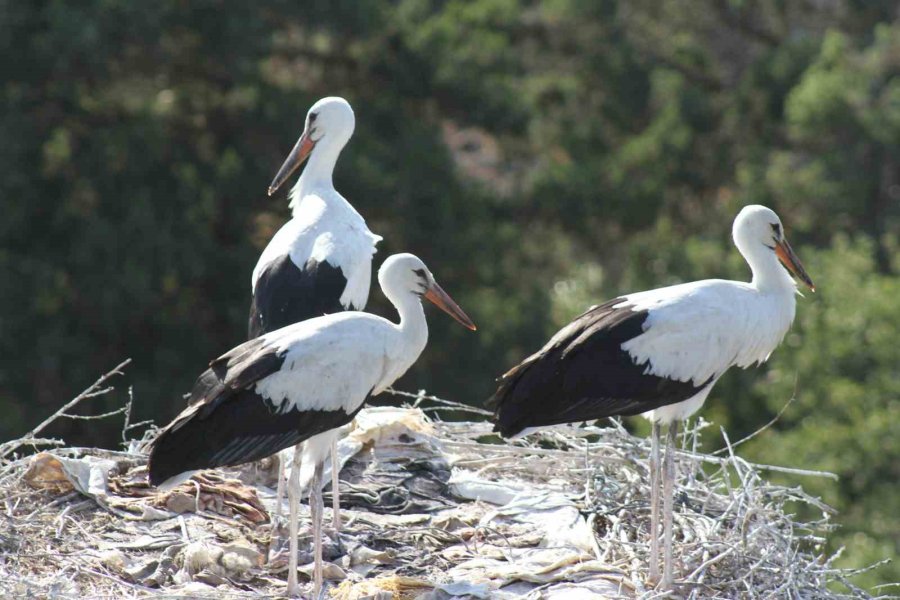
(293, 590)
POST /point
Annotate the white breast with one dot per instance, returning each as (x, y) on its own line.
(328, 229)
(331, 362)
(335, 361)
(696, 331)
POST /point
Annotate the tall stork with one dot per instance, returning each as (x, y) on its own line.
(297, 384)
(659, 353)
(319, 262)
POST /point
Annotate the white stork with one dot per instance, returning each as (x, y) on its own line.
(296, 384)
(319, 262)
(659, 353)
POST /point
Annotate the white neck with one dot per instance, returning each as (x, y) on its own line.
(318, 171)
(413, 327)
(768, 274)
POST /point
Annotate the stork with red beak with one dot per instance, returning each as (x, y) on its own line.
(299, 384)
(319, 262)
(659, 353)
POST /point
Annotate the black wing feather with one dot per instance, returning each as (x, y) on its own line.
(226, 383)
(286, 294)
(226, 422)
(238, 368)
(583, 374)
(240, 428)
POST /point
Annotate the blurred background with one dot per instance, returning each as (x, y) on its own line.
(539, 157)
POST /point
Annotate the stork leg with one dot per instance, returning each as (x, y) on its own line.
(293, 590)
(654, 503)
(335, 488)
(315, 500)
(279, 489)
(276, 517)
(668, 507)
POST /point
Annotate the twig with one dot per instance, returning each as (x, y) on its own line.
(725, 461)
(138, 424)
(126, 424)
(423, 396)
(9, 447)
(105, 415)
(766, 426)
(792, 471)
(29, 441)
(709, 563)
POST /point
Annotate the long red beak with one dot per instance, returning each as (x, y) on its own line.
(442, 300)
(301, 150)
(787, 257)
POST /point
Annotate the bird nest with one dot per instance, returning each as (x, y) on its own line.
(432, 510)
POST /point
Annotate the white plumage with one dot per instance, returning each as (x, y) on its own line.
(300, 383)
(697, 331)
(320, 261)
(335, 361)
(327, 242)
(326, 228)
(660, 352)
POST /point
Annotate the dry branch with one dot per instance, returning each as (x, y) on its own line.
(94, 390)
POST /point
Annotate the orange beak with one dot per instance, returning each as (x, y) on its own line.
(301, 150)
(787, 257)
(442, 300)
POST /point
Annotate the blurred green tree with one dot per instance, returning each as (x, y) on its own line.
(540, 156)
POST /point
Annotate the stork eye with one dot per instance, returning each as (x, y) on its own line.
(776, 229)
(423, 279)
(312, 117)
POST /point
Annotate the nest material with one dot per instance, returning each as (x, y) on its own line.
(433, 510)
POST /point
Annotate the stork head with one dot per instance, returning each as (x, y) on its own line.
(331, 121)
(757, 230)
(407, 274)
